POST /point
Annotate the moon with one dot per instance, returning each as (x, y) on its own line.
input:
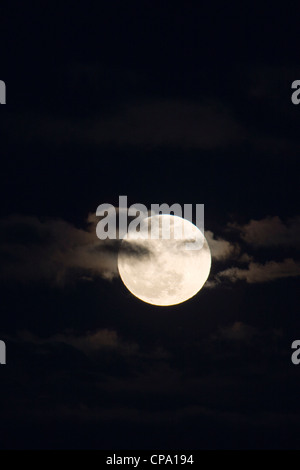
(164, 270)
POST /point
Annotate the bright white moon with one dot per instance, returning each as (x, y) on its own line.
(164, 271)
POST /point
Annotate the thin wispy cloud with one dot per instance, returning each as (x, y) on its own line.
(270, 232)
(259, 273)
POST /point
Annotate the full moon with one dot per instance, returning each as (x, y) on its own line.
(166, 270)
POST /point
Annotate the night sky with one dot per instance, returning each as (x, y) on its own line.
(162, 103)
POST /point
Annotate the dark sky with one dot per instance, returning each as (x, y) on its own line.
(162, 103)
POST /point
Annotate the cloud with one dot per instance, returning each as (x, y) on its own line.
(259, 273)
(172, 123)
(221, 249)
(89, 343)
(113, 354)
(270, 231)
(238, 331)
(55, 250)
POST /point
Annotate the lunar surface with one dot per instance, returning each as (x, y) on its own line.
(168, 269)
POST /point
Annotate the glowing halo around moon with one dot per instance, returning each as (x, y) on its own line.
(163, 271)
